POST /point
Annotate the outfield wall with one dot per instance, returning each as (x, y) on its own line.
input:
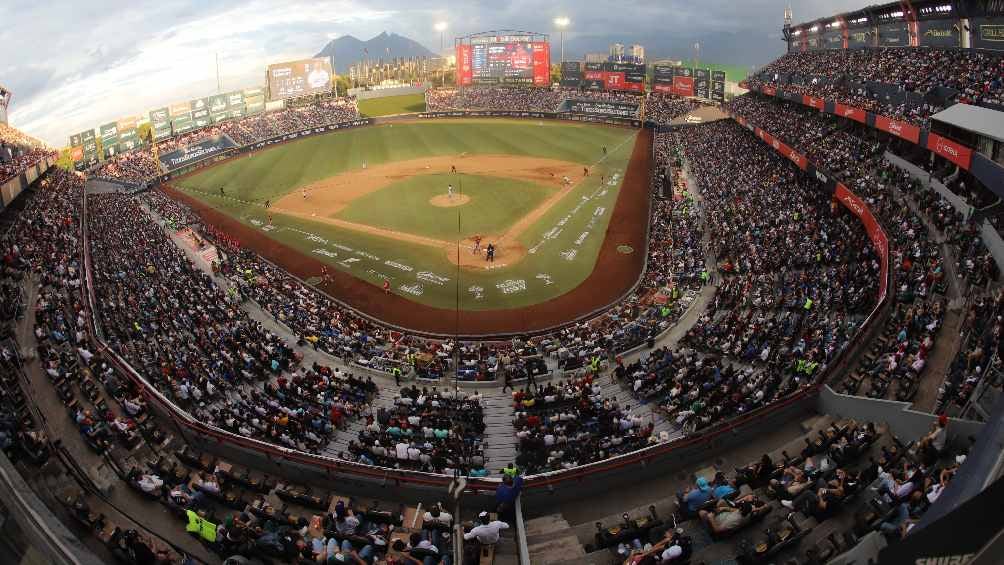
(371, 94)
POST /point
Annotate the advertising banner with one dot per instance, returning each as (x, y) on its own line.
(683, 85)
(235, 99)
(333, 127)
(833, 40)
(769, 90)
(851, 112)
(218, 103)
(541, 63)
(75, 140)
(904, 130)
(77, 153)
(702, 83)
(465, 68)
(987, 33)
(191, 154)
(571, 74)
(954, 152)
(894, 35)
(663, 73)
(938, 33)
(718, 86)
(858, 38)
(298, 78)
(617, 109)
(180, 109)
(182, 124)
(872, 228)
(817, 103)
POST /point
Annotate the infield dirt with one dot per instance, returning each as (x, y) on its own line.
(613, 275)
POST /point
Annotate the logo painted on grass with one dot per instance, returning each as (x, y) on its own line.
(325, 252)
(433, 278)
(625, 249)
(569, 254)
(545, 278)
(397, 265)
(413, 289)
(511, 286)
(367, 255)
(347, 263)
(582, 237)
(477, 291)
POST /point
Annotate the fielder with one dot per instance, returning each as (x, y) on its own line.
(449, 191)
(304, 193)
(476, 249)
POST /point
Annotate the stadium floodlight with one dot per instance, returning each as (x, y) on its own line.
(441, 28)
(562, 23)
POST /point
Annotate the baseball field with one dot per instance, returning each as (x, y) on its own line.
(401, 215)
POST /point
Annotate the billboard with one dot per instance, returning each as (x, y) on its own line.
(683, 81)
(109, 138)
(298, 78)
(571, 74)
(718, 86)
(624, 76)
(860, 37)
(938, 33)
(702, 83)
(894, 35)
(191, 154)
(160, 123)
(505, 60)
(616, 109)
(987, 33)
(254, 100)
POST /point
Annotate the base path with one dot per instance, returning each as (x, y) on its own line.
(612, 277)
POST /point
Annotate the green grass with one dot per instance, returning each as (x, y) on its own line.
(391, 105)
(547, 273)
(496, 203)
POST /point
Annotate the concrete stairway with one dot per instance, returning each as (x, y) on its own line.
(550, 539)
(383, 399)
(499, 436)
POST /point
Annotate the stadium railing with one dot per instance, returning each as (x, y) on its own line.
(692, 447)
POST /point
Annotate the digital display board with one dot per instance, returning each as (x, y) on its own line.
(505, 62)
(298, 78)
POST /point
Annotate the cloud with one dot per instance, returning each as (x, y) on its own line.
(74, 66)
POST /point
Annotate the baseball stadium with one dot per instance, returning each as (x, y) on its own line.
(510, 302)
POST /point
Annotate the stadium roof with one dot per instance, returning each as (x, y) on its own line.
(977, 119)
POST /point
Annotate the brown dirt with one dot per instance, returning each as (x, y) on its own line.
(448, 201)
(322, 200)
(614, 274)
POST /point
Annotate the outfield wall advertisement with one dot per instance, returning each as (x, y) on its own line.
(191, 154)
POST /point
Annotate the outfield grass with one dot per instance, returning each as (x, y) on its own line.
(496, 203)
(391, 105)
(565, 242)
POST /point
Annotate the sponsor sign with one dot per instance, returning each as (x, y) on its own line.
(769, 90)
(853, 203)
(898, 128)
(894, 35)
(75, 139)
(851, 112)
(987, 33)
(196, 152)
(465, 66)
(954, 152)
(617, 109)
(683, 85)
(860, 37)
(817, 103)
(938, 33)
(571, 74)
(702, 83)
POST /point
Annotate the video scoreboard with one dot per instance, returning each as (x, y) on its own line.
(518, 60)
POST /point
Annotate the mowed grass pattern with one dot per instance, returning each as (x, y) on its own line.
(280, 170)
(391, 105)
(496, 203)
(269, 174)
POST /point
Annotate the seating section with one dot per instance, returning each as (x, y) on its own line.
(933, 78)
(18, 151)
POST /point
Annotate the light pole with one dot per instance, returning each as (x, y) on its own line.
(562, 23)
(441, 28)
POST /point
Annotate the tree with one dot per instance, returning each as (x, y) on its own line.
(145, 132)
(65, 160)
(342, 85)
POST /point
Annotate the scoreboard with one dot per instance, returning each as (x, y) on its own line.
(506, 60)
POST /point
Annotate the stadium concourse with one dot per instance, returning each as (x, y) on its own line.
(801, 375)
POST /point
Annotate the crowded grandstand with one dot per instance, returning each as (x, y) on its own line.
(806, 368)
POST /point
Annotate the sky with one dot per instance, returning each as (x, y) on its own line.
(74, 65)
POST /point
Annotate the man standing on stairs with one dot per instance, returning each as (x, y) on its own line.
(507, 493)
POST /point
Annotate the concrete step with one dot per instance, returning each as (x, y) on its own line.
(546, 525)
(555, 549)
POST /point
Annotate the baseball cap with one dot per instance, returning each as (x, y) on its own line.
(483, 515)
(672, 552)
(943, 420)
(702, 483)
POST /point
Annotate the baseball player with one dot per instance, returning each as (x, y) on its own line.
(386, 286)
(476, 250)
(490, 253)
(453, 168)
(268, 203)
(449, 191)
(585, 171)
(564, 180)
(304, 193)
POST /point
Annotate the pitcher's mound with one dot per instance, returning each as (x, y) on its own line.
(445, 201)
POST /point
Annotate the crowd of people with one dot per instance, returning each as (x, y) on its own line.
(188, 335)
(140, 165)
(18, 151)
(569, 423)
(965, 75)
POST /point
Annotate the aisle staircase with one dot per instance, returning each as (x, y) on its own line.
(550, 539)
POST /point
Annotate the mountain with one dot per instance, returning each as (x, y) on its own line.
(348, 50)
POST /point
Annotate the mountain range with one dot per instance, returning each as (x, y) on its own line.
(348, 50)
